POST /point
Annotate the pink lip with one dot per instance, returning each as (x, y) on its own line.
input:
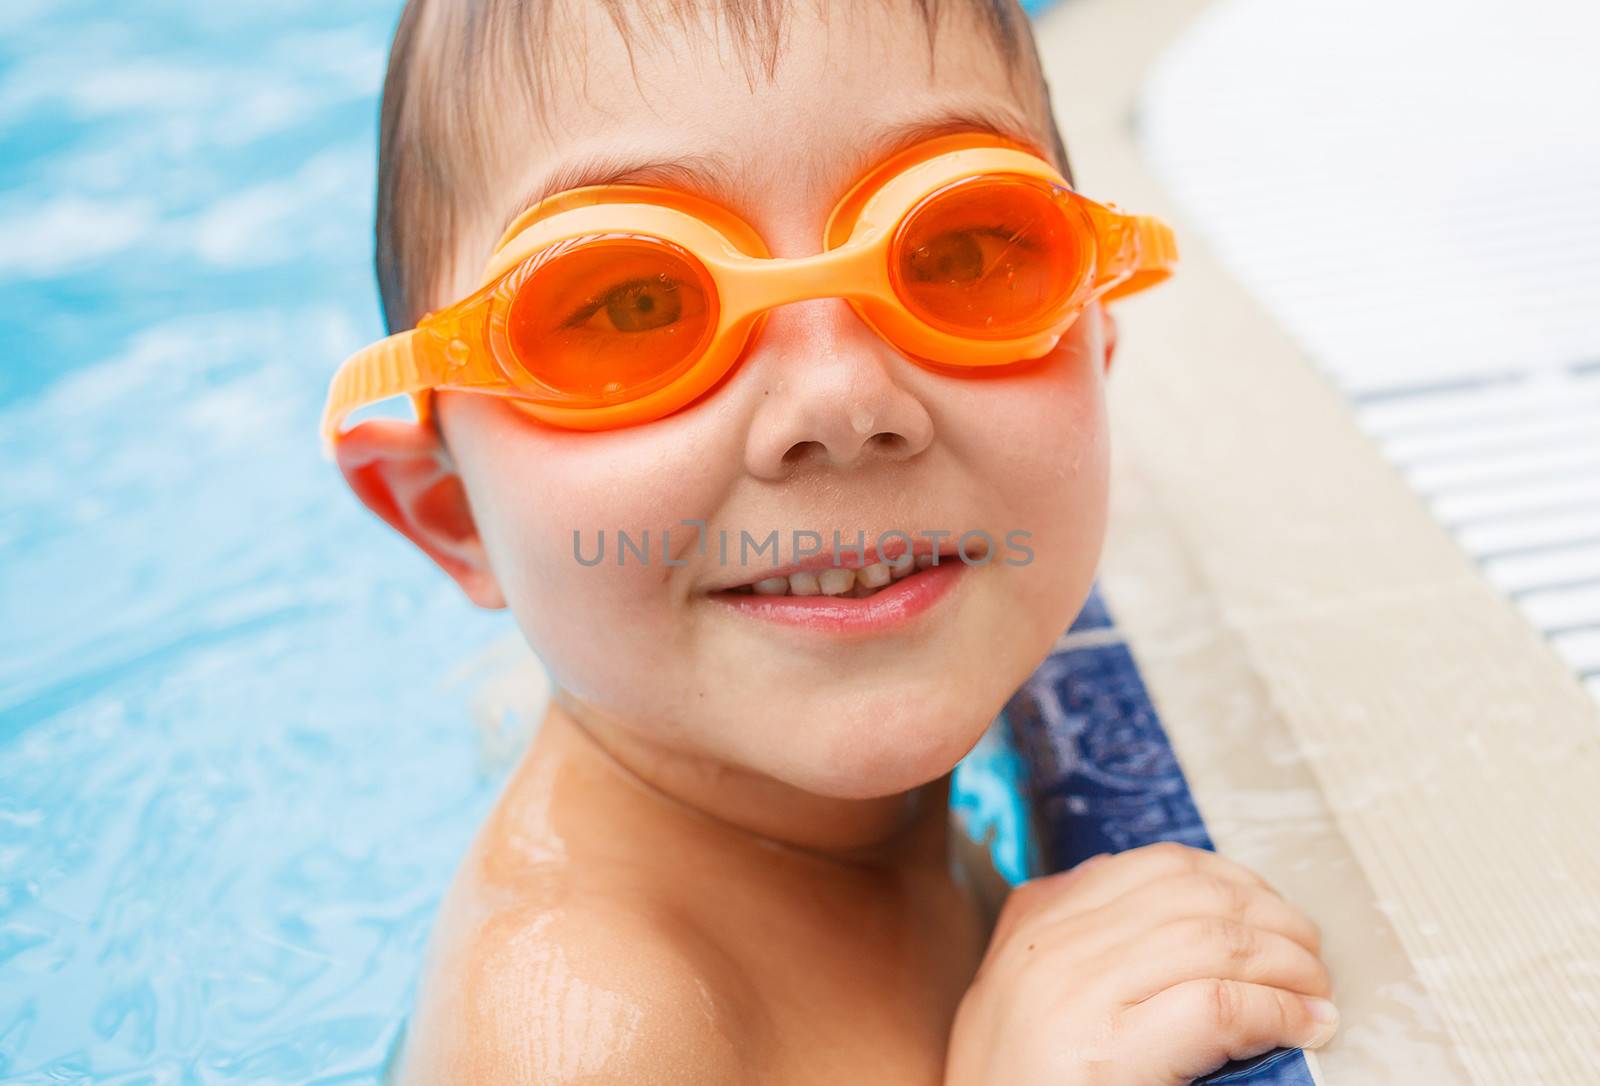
(895, 605)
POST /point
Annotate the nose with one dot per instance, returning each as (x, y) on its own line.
(830, 393)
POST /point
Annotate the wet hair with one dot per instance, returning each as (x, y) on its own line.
(450, 68)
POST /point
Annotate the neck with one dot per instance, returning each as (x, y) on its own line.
(907, 828)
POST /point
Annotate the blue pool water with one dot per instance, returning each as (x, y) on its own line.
(236, 760)
(234, 774)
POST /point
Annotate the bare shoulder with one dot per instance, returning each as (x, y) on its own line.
(588, 990)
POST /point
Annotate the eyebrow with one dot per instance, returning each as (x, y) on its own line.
(713, 176)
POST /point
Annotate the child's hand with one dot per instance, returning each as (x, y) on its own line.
(1151, 966)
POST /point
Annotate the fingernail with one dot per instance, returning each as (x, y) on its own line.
(1321, 1009)
(1325, 1014)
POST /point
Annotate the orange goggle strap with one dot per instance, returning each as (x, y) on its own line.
(444, 350)
(391, 367)
(448, 348)
(1153, 257)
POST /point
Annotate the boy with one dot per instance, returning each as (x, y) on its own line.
(725, 857)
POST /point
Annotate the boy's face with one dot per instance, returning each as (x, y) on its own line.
(822, 427)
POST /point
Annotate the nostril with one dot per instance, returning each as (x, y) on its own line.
(885, 443)
(889, 442)
(801, 451)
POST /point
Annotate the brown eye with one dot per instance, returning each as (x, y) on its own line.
(992, 258)
(955, 257)
(605, 319)
(640, 305)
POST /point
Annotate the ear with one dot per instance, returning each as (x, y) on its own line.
(1108, 332)
(401, 472)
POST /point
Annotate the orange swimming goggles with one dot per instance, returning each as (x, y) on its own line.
(613, 305)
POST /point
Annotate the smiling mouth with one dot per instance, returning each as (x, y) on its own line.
(823, 577)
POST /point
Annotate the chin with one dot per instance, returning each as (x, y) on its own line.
(890, 742)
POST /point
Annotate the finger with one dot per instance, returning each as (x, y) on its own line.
(1110, 876)
(1199, 948)
(1132, 918)
(1104, 877)
(1203, 893)
(1195, 1027)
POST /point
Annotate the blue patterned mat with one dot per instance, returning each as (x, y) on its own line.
(1101, 776)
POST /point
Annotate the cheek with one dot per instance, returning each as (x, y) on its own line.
(552, 510)
(1051, 474)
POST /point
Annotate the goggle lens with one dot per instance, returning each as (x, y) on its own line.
(990, 258)
(606, 319)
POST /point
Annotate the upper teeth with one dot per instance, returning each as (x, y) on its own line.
(842, 581)
(836, 581)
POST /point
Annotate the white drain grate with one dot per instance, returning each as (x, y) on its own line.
(1414, 192)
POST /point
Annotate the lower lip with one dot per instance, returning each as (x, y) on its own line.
(891, 607)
